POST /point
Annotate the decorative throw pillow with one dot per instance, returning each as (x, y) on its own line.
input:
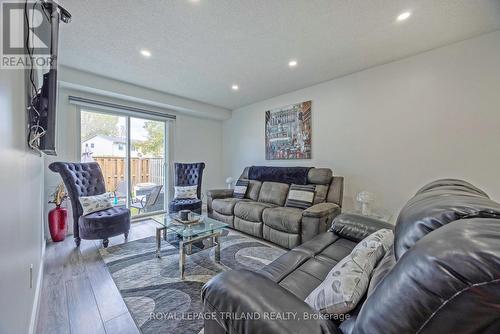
(186, 192)
(240, 189)
(96, 203)
(381, 270)
(347, 282)
(300, 196)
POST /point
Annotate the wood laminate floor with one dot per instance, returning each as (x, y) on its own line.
(78, 295)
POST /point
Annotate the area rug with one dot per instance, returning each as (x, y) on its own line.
(156, 297)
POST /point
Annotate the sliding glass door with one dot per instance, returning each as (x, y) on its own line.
(147, 165)
(132, 153)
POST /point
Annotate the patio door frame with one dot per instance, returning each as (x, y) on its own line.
(169, 126)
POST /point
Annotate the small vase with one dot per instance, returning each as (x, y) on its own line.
(57, 223)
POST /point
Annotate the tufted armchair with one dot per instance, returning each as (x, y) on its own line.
(187, 175)
(86, 179)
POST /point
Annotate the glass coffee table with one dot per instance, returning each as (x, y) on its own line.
(206, 229)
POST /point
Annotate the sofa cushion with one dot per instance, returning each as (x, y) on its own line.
(105, 219)
(302, 281)
(320, 176)
(283, 219)
(248, 227)
(320, 193)
(227, 219)
(186, 192)
(382, 269)
(437, 204)
(336, 191)
(192, 204)
(96, 203)
(225, 205)
(300, 196)
(348, 280)
(240, 189)
(285, 264)
(446, 283)
(321, 210)
(328, 246)
(452, 185)
(220, 193)
(357, 227)
(250, 210)
(273, 192)
(280, 238)
(303, 268)
(253, 190)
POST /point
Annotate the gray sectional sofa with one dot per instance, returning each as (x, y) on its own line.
(262, 212)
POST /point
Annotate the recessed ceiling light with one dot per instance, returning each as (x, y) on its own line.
(404, 16)
(292, 63)
(235, 87)
(146, 53)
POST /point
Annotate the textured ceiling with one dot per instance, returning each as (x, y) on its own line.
(200, 48)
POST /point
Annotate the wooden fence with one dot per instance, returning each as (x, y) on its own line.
(156, 171)
(142, 170)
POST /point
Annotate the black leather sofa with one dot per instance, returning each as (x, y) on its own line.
(442, 275)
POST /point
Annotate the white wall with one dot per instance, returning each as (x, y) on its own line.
(91, 83)
(21, 189)
(196, 139)
(200, 140)
(392, 128)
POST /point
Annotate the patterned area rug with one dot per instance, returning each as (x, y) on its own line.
(157, 299)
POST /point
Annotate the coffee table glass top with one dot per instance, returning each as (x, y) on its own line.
(205, 225)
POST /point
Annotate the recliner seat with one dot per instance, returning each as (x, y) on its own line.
(441, 276)
(262, 213)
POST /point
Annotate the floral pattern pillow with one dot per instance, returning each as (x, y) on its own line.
(186, 192)
(347, 282)
(91, 204)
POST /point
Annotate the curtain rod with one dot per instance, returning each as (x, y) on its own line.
(95, 103)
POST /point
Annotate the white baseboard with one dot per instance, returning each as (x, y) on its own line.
(38, 290)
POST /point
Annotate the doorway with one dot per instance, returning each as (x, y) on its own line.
(133, 155)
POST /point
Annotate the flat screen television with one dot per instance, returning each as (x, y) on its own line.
(45, 99)
(48, 111)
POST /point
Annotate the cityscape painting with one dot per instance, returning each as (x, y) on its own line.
(288, 132)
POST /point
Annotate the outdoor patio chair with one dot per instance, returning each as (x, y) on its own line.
(142, 202)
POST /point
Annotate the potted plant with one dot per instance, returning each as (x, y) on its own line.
(58, 226)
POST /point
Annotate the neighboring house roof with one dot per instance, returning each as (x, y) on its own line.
(110, 138)
(116, 140)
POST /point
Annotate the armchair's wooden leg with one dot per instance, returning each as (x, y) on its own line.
(105, 242)
(125, 235)
(78, 241)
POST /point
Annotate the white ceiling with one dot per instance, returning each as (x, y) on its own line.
(200, 48)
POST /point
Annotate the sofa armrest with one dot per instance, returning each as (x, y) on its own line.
(230, 297)
(357, 227)
(220, 193)
(317, 219)
(320, 210)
